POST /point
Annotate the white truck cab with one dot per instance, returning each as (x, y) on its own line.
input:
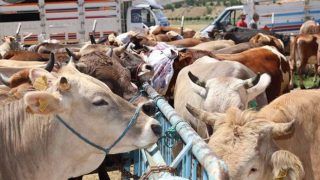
(281, 17)
(145, 12)
(72, 20)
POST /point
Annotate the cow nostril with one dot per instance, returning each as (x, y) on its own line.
(157, 129)
(149, 109)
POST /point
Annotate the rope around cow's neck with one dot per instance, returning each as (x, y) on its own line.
(106, 150)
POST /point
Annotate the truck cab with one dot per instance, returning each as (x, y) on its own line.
(145, 13)
(229, 16)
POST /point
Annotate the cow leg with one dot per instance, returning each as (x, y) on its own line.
(315, 73)
(102, 171)
(300, 71)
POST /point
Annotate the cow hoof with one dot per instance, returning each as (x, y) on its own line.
(302, 87)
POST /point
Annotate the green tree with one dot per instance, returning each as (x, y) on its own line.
(218, 3)
(208, 9)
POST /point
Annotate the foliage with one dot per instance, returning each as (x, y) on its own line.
(208, 10)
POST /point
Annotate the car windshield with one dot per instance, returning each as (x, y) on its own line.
(159, 14)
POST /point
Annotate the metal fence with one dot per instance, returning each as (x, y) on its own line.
(195, 152)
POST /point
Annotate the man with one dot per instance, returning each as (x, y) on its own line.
(253, 23)
(241, 22)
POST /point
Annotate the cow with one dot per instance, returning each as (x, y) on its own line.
(87, 105)
(7, 45)
(265, 59)
(240, 35)
(246, 143)
(304, 47)
(21, 55)
(215, 86)
(238, 48)
(268, 40)
(302, 124)
(139, 41)
(214, 45)
(187, 33)
(47, 48)
(310, 27)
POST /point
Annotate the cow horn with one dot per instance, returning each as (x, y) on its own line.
(206, 117)
(70, 54)
(50, 63)
(197, 80)
(253, 81)
(282, 129)
(5, 79)
(71, 62)
(120, 50)
(110, 52)
(64, 85)
(93, 41)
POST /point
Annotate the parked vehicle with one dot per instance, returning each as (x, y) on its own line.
(280, 17)
(72, 21)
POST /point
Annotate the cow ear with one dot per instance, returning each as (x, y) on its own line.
(41, 103)
(36, 73)
(3, 39)
(286, 166)
(257, 88)
(12, 39)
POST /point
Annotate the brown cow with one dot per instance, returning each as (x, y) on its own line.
(187, 33)
(268, 40)
(25, 56)
(304, 48)
(265, 60)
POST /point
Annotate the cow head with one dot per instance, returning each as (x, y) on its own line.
(220, 93)
(11, 40)
(22, 76)
(83, 101)
(139, 70)
(245, 142)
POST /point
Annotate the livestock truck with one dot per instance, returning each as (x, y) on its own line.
(285, 16)
(73, 20)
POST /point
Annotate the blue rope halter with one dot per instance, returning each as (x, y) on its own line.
(106, 150)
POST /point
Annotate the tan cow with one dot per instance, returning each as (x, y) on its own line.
(29, 142)
(244, 139)
(310, 27)
(268, 40)
(7, 45)
(214, 45)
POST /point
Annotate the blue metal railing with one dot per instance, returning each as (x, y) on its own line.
(195, 151)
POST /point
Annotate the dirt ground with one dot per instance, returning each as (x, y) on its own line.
(114, 175)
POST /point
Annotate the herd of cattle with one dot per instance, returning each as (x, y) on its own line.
(214, 79)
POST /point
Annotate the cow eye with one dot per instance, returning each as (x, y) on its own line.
(100, 102)
(253, 170)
